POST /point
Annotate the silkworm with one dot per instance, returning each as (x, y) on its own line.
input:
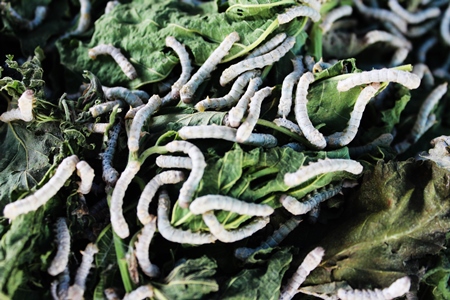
(169, 161)
(219, 202)
(397, 289)
(409, 80)
(142, 245)
(445, 26)
(294, 146)
(236, 114)
(284, 106)
(413, 18)
(118, 222)
(138, 121)
(61, 259)
(131, 113)
(103, 108)
(45, 193)
(332, 16)
(109, 174)
(24, 111)
(320, 66)
(383, 140)
(63, 283)
(311, 261)
(174, 234)
(296, 207)
(313, 214)
(309, 62)
(382, 15)
(298, 11)
(399, 57)
(425, 47)
(315, 4)
(268, 46)
(86, 173)
(110, 6)
(167, 177)
(301, 114)
(245, 130)
(188, 90)
(272, 241)
(122, 93)
(231, 236)
(420, 30)
(376, 36)
(76, 291)
(115, 53)
(424, 73)
(85, 17)
(39, 15)
(142, 292)
(111, 293)
(282, 122)
(97, 127)
(314, 169)
(11, 115)
(143, 95)
(257, 62)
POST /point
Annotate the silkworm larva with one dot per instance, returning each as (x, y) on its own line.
(284, 106)
(320, 66)
(237, 113)
(257, 62)
(54, 290)
(177, 235)
(188, 90)
(445, 26)
(142, 292)
(97, 127)
(110, 293)
(298, 11)
(142, 247)
(301, 114)
(245, 130)
(86, 173)
(45, 193)
(261, 140)
(76, 291)
(63, 283)
(397, 289)
(407, 79)
(39, 15)
(414, 18)
(332, 16)
(314, 169)
(282, 122)
(11, 115)
(143, 95)
(85, 17)
(420, 30)
(219, 202)
(103, 108)
(166, 177)
(115, 53)
(169, 161)
(61, 259)
(131, 113)
(424, 74)
(423, 49)
(294, 146)
(311, 261)
(381, 14)
(383, 140)
(118, 222)
(24, 111)
(309, 62)
(138, 121)
(110, 175)
(268, 46)
(122, 93)
(399, 57)
(231, 236)
(315, 4)
(110, 6)
(376, 36)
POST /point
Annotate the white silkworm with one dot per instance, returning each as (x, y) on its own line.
(138, 121)
(382, 15)
(268, 46)
(424, 48)
(188, 90)
(103, 108)
(76, 291)
(294, 146)
(11, 115)
(332, 16)
(39, 15)
(141, 293)
(296, 207)
(315, 4)
(61, 259)
(122, 93)
(284, 106)
(311, 261)
(177, 235)
(301, 114)
(298, 11)
(97, 127)
(397, 289)
(424, 74)
(236, 114)
(399, 57)
(413, 18)
(118, 222)
(282, 122)
(111, 293)
(142, 245)
(407, 79)
(376, 36)
(109, 174)
(445, 26)
(314, 169)
(320, 66)
(24, 111)
(245, 130)
(110, 6)
(420, 30)
(167, 177)
(383, 140)
(257, 62)
(84, 21)
(170, 161)
(131, 113)
(45, 193)
(231, 236)
(115, 53)
(219, 202)
(86, 173)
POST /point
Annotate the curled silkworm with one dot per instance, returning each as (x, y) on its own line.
(397, 289)
(424, 74)
(167, 177)
(109, 174)
(422, 29)
(298, 11)
(142, 245)
(103, 108)
(413, 18)
(177, 235)
(24, 111)
(76, 291)
(282, 122)
(383, 140)
(257, 62)
(143, 95)
(376, 36)
(84, 21)
(445, 26)
(115, 53)
(284, 106)
(332, 16)
(110, 6)
(61, 259)
(138, 121)
(423, 49)
(188, 90)
(142, 292)
(219, 202)
(261, 140)
(314, 169)
(47, 191)
(170, 161)
(39, 15)
(237, 113)
(86, 173)
(124, 94)
(399, 57)
(381, 14)
(223, 235)
(311, 261)
(268, 46)
(97, 127)
(63, 283)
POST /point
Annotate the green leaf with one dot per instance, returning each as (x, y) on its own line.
(438, 277)
(256, 9)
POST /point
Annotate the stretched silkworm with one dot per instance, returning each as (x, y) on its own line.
(231, 236)
(332, 16)
(383, 140)
(445, 26)
(84, 21)
(382, 15)
(282, 122)
(167, 177)
(236, 114)
(376, 36)
(311, 261)
(45, 193)
(294, 146)
(115, 53)
(166, 85)
(118, 222)
(424, 74)
(413, 18)
(261, 140)
(131, 113)
(284, 106)
(257, 62)
(301, 114)
(188, 90)
(39, 15)
(142, 292)
(399, 57)
(169, 161)
(54, 290)
(142, 245)
(11, 115)
(110, 6)
(313, 214)
(103, 108)
(138, 121)
(425, 47)
(122, 93)
(314, 169)
(177, 235)
(296, 207)
(109, 174)
(245, 130)
(24, 111)
(76, 291)
(298, 11)
(420, 30)
(86, 173)
(218, 202)
(63, 283)
(268, 46)
(272, 241)
(397, 289)
(97, 127)
(61, 259)
(315, 4)
(409, 80)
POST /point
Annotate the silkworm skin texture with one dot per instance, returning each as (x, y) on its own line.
(124, 94)
(61, 259)
(76, 291)
(298, 11)
(414, 18)
(86, 173)
(109, 174)
(376, 36)
(314, 169)
(102, 108)
(142, 292)
(383, 140)
(170, 161)
(445, 26)
(285, 103)
(268, 46)
(397, 289)
(382, 14)
(142, 247)
(332, 16)
(219, 202)
(97, 127)
(237, 113)
(115, 53)
(282, 122)
(108, 8)
(24, 111)
(47, 191)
